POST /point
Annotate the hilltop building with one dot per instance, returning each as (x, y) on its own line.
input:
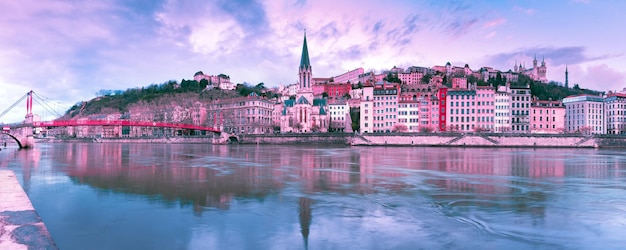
(220, 81)
(537, 73)
(305, 113)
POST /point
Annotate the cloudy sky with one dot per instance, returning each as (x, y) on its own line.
(68, 50)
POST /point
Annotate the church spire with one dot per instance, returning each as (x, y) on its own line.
(304, 60)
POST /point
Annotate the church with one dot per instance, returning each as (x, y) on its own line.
(305, 113)
(537, 73)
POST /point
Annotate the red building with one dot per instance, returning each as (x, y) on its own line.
(441, 94)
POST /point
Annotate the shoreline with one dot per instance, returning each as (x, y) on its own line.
(388, 139)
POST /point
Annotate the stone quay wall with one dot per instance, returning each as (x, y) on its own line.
(20, 225)
(289, 138)
(476, 140)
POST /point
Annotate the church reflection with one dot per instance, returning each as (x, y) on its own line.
(213, 176)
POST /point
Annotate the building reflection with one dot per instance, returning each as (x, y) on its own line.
(213, 176)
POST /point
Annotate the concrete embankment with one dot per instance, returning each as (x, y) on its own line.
(311, 138)
(20, 225)
(165, 140)
(475, 140)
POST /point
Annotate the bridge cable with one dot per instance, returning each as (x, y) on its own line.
(13, 105)
(48, 99)
(45, 105)
(51, 112)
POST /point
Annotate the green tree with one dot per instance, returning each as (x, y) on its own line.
(426, 78)
(203, 83)
(392, 77)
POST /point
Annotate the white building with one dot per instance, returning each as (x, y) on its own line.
(502, 109)
(367, 110)
(339, 113)
(408, 114)
(615, 105)
(520, 109)
(584, 114)
(385, 106)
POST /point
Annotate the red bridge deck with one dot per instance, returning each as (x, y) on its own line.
(72, 123)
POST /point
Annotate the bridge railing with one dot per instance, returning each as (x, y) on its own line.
(122, 123)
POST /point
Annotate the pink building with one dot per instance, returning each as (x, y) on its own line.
(385, 111)
(459, 82)
(351, 76)
(461, 112)
(485, 106)
(547, 117)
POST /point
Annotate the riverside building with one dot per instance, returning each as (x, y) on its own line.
(615, 105)
(584, 114)
(520, 109)
(547, 117)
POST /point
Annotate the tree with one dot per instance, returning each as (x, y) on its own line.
(347, 96)
(399, 128)
(203, 83)
(325, 95)
(260, 86)
(426, 129)
(392, 77)
(426, 78)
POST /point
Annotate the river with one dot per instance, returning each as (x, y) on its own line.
(175, 196)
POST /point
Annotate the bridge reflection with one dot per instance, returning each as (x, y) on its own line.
(214, 176)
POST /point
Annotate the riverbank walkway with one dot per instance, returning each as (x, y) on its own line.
(20, 225)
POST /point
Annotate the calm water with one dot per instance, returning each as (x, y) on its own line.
(150, 196)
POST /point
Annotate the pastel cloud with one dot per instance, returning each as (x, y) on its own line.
(72, 49)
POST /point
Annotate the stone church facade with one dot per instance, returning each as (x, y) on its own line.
(305, 113)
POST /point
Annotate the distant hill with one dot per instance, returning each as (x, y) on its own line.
(543, 91)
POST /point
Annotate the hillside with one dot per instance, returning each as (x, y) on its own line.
(165, 96)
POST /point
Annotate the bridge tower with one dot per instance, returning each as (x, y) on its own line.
(27, 139)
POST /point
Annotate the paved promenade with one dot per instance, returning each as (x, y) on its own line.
(20, 226)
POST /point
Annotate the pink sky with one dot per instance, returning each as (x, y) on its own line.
(68, 50)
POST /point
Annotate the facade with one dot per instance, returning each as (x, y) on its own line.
(408, 114)
(461, 113)
(385, 106)
(339, 113)
(615, 105)
(304, 114)
(547, 117)
(242, 115)
(336, 90)
(584, 114)
(366, 107)
(351, 76)
(485, 108)
(502, 109)
(520, 109)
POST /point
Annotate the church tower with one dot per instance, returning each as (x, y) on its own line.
(305, 72)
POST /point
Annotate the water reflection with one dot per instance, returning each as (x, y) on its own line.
(393, 197)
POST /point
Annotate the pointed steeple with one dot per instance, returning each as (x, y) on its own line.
(304, 60)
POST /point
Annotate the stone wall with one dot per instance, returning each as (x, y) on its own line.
(475, 140)
(310, 138)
